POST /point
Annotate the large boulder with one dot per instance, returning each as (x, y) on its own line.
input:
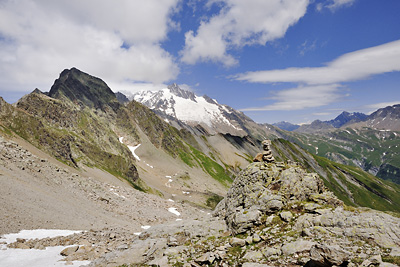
(266, 188)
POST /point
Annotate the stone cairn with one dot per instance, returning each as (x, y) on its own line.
(266, 155)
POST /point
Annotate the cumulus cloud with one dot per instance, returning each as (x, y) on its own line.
(240, 23)
(117, 41)
(321, 83)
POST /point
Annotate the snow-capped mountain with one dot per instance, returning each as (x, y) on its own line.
(176, 103)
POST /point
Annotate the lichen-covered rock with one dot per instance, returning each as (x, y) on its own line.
(265, 188)
(375, 226)
(323, 255)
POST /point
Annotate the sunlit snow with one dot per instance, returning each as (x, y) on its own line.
(174, 211)
(132, 149)
(184, 109)
(35, 257)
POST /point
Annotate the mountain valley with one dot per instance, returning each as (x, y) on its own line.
(80, 157)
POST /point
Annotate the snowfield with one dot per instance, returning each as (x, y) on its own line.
(35, 257)
(200, 110)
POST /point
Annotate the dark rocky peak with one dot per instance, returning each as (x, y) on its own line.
(84, 90)
(176, 90)
(392, 111)
(346, 117)
(121, 98)
(210, 100)
(37, 91)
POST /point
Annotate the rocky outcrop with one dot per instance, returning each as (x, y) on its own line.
(276, 214)
(263, 189)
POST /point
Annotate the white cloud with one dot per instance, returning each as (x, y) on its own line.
(117, 41)
(318, 86)
(240, 23)
(373, 107)
(301, 97)
(335, 4)
(353, 66)
(130, 88)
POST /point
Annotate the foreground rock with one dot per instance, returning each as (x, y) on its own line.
(273, 215)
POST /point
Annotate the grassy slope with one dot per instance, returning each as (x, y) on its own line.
(378, 151)
(351, 184)
(178, 143)
(84, 139)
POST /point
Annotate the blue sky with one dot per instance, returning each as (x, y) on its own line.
(292, 60)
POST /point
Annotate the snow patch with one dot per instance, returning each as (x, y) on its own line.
(34, 257)
(132, 149)
(145, 227)
(174, 211)
(121, 139)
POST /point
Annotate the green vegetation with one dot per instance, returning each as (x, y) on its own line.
(391, 259)
(213, 201)
(211, 167)
(350, 184)
(378, 151)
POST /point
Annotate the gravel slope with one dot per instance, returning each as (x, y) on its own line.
(37, 192)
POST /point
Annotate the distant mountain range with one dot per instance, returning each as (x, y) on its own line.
(196, 143)
(371, 142)
(385, 119)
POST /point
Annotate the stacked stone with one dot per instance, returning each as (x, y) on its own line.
(266, 155)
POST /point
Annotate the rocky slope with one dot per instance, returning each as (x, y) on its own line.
(81, 123)
(273, 215)
(387, 118)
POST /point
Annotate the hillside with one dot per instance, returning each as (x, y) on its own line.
(82, 126)
(77, 158)
(375, 151)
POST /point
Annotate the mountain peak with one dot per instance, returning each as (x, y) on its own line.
(83, 89)
(176, 90)
(346, 117)
(284, 125)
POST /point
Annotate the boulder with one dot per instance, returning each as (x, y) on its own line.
(237, 242)
(69, 250)
(297, 247)
(324, 255)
